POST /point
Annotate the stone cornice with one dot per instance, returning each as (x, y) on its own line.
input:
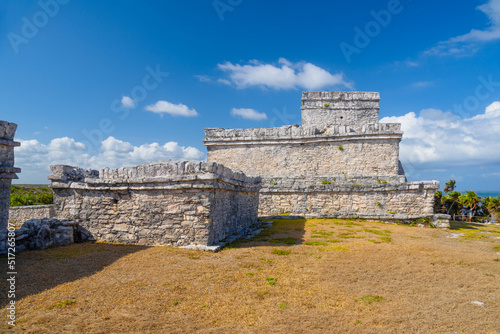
(9, 143)
(302, 140)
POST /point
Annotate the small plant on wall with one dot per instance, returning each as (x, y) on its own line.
(326, 105)
(378, 204)
(341, 148)
(326, 182)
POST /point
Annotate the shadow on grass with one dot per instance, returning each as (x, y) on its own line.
(283, 232)
(44, 269)
(456, 225)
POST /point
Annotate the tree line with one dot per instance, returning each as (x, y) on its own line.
(453, 202)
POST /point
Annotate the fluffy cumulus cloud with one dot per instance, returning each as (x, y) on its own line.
(284, 75)
(435, 138)
(247, 113)
(468, 43)
(34, 157)
(128, 102)
(164, 107)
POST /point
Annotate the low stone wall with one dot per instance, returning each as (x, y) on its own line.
(313, 199)
(162, 203)
(19, 214)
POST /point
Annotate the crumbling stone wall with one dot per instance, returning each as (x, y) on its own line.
(161, 203)
(7, 169)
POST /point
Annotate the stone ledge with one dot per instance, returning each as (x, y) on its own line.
(25, 207)
(341, 96)
(9, 143)
(296, 133)
(152, 175)
(346, 187)
(436, 220)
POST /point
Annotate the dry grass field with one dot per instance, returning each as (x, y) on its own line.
(298, 276)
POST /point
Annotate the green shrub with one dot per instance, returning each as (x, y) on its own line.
(21, 195)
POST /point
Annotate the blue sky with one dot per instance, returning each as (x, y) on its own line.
(112, 83)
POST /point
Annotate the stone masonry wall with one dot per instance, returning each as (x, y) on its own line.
(19, 214)
(331, 200)
(295, 151)
(7, 169)
(355, 109)
(163, 203)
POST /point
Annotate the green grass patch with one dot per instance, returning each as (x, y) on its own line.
(377, 232)
(316, 243)
(385, 239)
(370, 299)
(333, 248)
(282, 305)
(345, 236)
(62, 304)
(280, 252)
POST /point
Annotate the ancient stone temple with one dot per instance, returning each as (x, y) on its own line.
(7, 169)
(340, 163)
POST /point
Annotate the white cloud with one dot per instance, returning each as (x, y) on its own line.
(422, 84)
(467, 44)
(180, 109)
(287, 76)
(247, 113)
(203, 78)
(34, 157)
(435, 138)
(128, 102)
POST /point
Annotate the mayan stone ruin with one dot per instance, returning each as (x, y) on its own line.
(159, 203)
(340, 163)
(7, 169)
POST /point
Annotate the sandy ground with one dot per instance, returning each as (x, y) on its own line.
(328, 276)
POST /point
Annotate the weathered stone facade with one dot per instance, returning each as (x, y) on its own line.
(160, 203)
(7, 169)
(340, 163)
(19, 214)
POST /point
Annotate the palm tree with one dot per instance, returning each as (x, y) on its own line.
(449, 186)
(452, 197)
(469, 199)
(493, 205)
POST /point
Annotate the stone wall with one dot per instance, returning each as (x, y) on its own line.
(7, 169)
(414, 199)
(19, 214)
(162, 203)
(321, 109)
(295, 151)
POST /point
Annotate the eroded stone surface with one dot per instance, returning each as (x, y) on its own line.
(7, 169)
